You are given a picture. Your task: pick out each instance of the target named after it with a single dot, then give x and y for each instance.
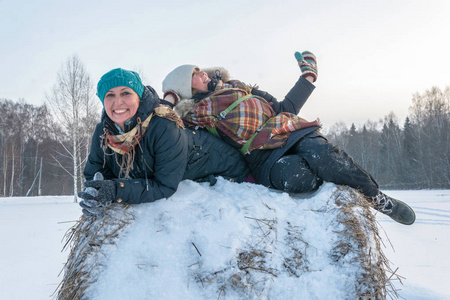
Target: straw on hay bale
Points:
(272, 250)
(87, 237)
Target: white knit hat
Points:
(180, 81)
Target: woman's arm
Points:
(301, 91)
(165, 154)
(294, 100)
(168, 147)
(214, 157)
(95, 162)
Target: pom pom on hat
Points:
(180, 81)
(119, 77)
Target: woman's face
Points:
(121, 103)
(200, 80)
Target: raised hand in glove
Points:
(97, 195)
(308, 64)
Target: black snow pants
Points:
(313, 160)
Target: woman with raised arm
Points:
(284, 151)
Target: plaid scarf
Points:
(250, 116)
(124, 144)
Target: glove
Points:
(97, 195)
(308, 64)
(175, 96)
(268, 97)
(92, 208)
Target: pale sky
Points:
(372, 55)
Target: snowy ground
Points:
(32, 231)
(421, 252)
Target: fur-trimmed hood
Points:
(223, 73)
(186, 105)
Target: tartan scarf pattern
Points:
(251, 115)
(125, 144)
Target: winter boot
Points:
(396, 209)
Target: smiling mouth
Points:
(120, 111)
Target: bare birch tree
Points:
(71, 103)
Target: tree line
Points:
(57, 133)
(414, 155)
(43, 149)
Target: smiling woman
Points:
(200, 81)
(283, 150)
(140, 150)
(121, 103)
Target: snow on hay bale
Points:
(230, 241)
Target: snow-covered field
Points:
(32, 236)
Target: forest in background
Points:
(43, 149)
(411, 155)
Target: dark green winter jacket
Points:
(170, 154)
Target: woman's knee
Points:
(292, 174)
(313, 145)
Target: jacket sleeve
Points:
(167, 145)
(293, 101)
(213, 157)
(95, 162)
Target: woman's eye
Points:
(125, 93)
(109, 95)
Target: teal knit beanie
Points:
(119, 77)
